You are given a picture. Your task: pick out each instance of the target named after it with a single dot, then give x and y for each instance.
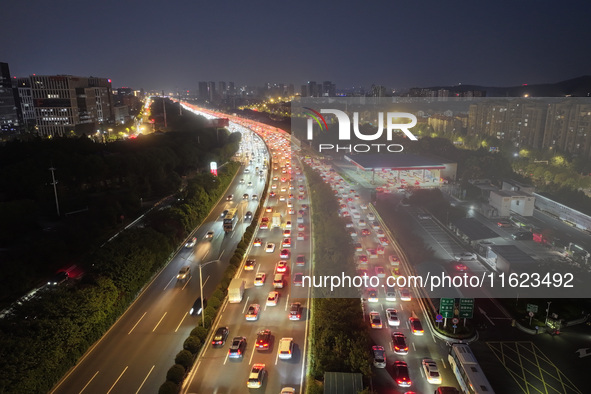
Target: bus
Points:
(469, 374)
(230, 220)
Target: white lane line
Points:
(224, 308)
(251, 355)
(181, 322)
(186, 283)
(277, 357)
(246, 303)
(401, 307)
(146, 378)
(198, 364)
(138, 322)
(117, 379)
(443, 362)
(414, 347)
(226, 359)
(221, 254)
(168, 283)
(93, 376)
(159, 321)
(206, 279)
(433, 337)
(264, 309)
(287, 301)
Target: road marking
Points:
(146, 378)
(414, 347)
(221, 254)
(197, 367)
(137, 323)
(93, 376)
(265, 307)
(251, 355)
(159, 321)
(186, 282)
(224, 308)
(287, 301)
(206, 279)
(117, 379)
(168, 283)
(226, 359)
(277, 357)
(245, 303)
(443, 362)
(181, 322)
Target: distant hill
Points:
(576, 87)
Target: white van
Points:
(285, 348)
(278, 281)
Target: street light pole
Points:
(548, 311)
(201, 289)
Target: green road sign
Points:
(532, 308)
(446, 307)
(467, 308)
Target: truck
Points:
(236, 290)
(276, 220)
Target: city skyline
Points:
(174, 48)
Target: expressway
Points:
(135, 354)
(373, 251)
(214, 371)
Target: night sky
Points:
(172, 45)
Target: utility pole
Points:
(57, 204)
(164, 108)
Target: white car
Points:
(466, 256)
(431, 371)
(371, 216)
(363, 206)
(270, 248)
(288, 224)
(392, 317)
(273, 298)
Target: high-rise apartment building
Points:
(9, 111)
(67, 104)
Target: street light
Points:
(201, 265)
(548, 311)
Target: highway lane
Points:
(420, 346)
(213, 371)
(135, 354)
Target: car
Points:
(383, 241)
(405, 294)
(375, 226)
(58, 278)
(291, 211)
(301, 227)
(256, 377)
(259, 279)
(224, 213)
(270, 248)
(461, 267)
(269, 209)
(466, 256)
(289, 204)
(285, 348)
(523, 236)
(274, 186)
(257, 242)
(363, 206)
(237, 347)
(304, 207)
(390, 293)
(245, 196)
(298, 279)
(288, 224)
(380, 233)
(372, 253)
(241, 181)
(363, 259)
(394, 260)
(395, 272)
(375, 319)
(401, 373)
(230, 197)
(284, 254)
(209, 234)
(392, 317)
(358, 247)
(281, 266)
(301, 237)
(282, 197)
(504, 223)
(287, 233)
(349, 224)
(380, 272)
(249, 265)
(399, 345)
(301, 260)
(286, 243)
(252, 312)
(273, 298)
(416, 326)
(345, 214)
(184, 273)
(275, 178)
(372, 295)
(379, 356)
(272, 194)
(249, 184)
(381, 250)
(254, 197)
(220, 336)
(295, 311)
(197, 307)
(248, 215)
(263, 342)
(431, 371)
(362, 223)
(191, 242)
(371, 216)
(423, 216)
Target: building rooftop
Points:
(512, 254)
(474, 230)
